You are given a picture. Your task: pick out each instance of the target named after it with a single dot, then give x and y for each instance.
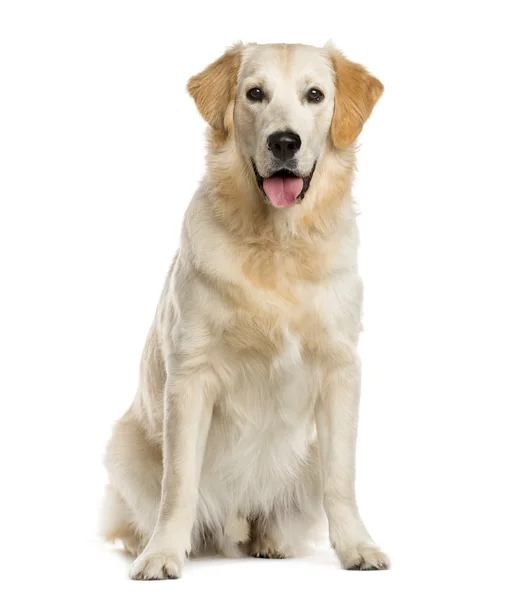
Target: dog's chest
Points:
(264, 420)
(272, 358)
(270, 378)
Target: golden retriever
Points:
(242, 434)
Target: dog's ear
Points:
(213, 91)
(356, 93)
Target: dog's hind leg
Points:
(131, 503)
(235, 536)
(282, 536)
(295, 521)
(117, 522)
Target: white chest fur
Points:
(262, 426)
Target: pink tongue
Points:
(283, 191)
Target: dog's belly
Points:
(261, 436)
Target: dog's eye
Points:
(314, 95)
(255, 94)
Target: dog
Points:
(241, 437)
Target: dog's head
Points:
(283, 106)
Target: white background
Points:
(100, 152)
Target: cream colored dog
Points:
(243, 429)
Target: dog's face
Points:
(284, 106)
(282, 116)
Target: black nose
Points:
(284, 144)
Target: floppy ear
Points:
(356, 94)
(213, 91)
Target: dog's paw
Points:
(265, 549)
(364, 557)
(150, 566)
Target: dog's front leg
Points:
(188, 409)
(336, 416)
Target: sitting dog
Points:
(242, 433)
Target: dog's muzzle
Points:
(283, 188)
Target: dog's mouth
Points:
(283, 188)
